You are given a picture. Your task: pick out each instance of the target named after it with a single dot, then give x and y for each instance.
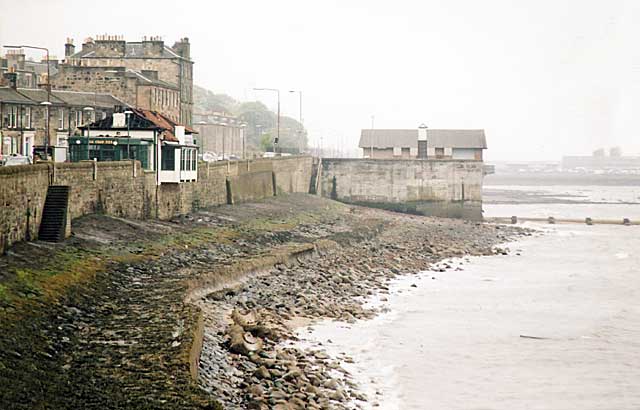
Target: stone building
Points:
(147, 74)
(30, 74)
(220, 134)
(23, 119)
(440, 143)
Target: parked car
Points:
(268, 155)
(12, 160)
(210, 156)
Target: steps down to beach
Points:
(54, 215)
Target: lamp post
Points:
(47, 131)
(300, 117)
(278, 118)
(47, 119)
(88, 110)
(244, 142)
(201, 145)
(128, 113)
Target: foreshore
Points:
(196, 312)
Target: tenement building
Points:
(147, 74)
(33, 121)
(220, 134)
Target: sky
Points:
(543, 78)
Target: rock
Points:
(256, 390)
(262, 373)
(242, 342)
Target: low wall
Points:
(22, 188)
(123, 189)
(446, 188)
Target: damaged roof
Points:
(144, 120)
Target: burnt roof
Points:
(142, 120)
(136, 122)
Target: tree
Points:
(260, 120)
(266, 142)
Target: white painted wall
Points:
(463, 153)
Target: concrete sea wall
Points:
(123, 189)
(446, 188)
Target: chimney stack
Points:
(11, 78)
(422, 141)
(69, 48)
(183, 48)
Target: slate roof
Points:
(439, 138)
(132, 50)
(38, 95)
(144, 79)
(59, 97)
(81, 98)
(9, 95)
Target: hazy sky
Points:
(542, 77)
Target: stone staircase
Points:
(54, 216)
(316, 171)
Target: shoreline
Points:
(126, 306)
(444, 333)
(375, 383)
(329, 285)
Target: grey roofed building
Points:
(440, 138)
(10, 95)
(72, 98)
(132, 49)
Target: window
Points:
(27, 117)
(183, 159)
(13, 117)
(78, 118)
(60, 119)
(194, 160)
(168, 162)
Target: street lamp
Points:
(88, 110)
(244, 142)
(46, 140)
(128, 113)
(278, 118)
(47, 118)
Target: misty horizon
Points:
(545, 79)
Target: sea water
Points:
(553, 325)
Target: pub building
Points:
(143, 135)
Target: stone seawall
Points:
(446, 188)
(21, 188)
(123, 189)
